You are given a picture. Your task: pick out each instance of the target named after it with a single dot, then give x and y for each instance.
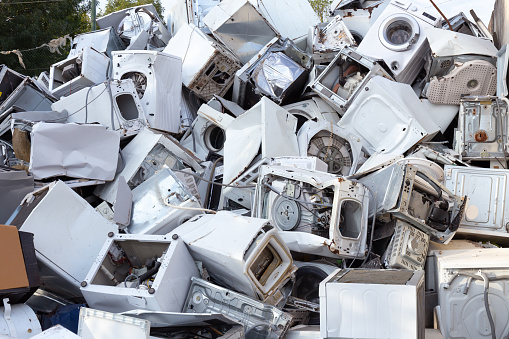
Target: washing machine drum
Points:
(399, 32)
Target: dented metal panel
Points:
(77, 151)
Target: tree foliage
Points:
(116, 5)
(321, 8)
(28, 25)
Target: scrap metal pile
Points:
(254, 173)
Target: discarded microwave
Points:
(84, 151)
(87, 68)
(460, 64)
(390, 301)
(140, 272)
(147, 153)
(156, 77)
(279, 71)
(488, 207)
(482, 128)
(397, 37)
(318, 213)
(133, 22)
(161, 203)
(389, 117)
(240, 27)
(408, 193)
(325, 40)
(468, 280)
(114, 104)
(208, 68)
(336, 146)
(102, 40)
(258, 319)
(408, 247)
(257, 264)
(67, 243)
(346, 76)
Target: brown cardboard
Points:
(14, 273)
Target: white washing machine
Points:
(398, 37)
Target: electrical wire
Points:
(486, 304)
(189, 208)
(212, 182)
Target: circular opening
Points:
(214, 138)
(399, 32)
(472, 84)
(140, 82)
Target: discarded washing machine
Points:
(67, 243)
(146, 154)
(18, 321)
(140, 272)
(161, 203)
(486, 215)
(114, 104)
(411, 194)
(259, 319)
(99, 324)
(459, 65)
(207, 134)
(208, 68)
(314, 108)
(102, 40)
(266, 127)
(279, 71)
(87, 68)
(257, 264)
(318, 213)
(228, 22)
(135, 23)
(9, 81)
(325, 40)
(388, 117)
(28, 96)
(408, 247)
(390, 301)
(398, 38)
(482, 128)
(156, 77)
(468, 281)
(345, 77)
(338, 148)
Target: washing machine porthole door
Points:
(399, 32)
